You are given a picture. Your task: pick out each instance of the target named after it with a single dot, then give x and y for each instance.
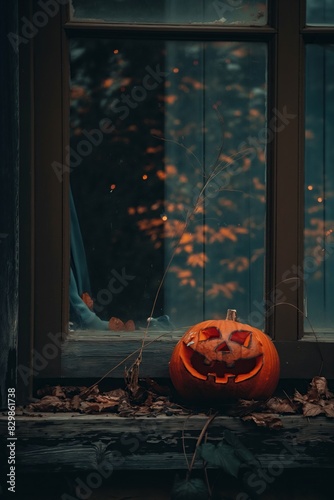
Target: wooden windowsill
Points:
(94, 353)
(53, 442)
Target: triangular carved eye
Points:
(241, 337)
(209, 333)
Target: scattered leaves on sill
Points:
(145, 402)
(318, 399)
(151, 399)
(51, 404)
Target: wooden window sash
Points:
(285, 36)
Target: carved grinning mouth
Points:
(221, 371)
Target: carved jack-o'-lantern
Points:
(221, 359)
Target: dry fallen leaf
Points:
(52, 391)
(279, 405)
(329, 409)
(318, 399)
(311, 410)
(75, 402)
(89, 407)
(58, 391)
(270, 420)
(319, 388)
(116, 393)
(107, 403)
(50, 404)
(300, 398)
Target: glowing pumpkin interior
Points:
(240, 356)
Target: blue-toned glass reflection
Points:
(168, 171)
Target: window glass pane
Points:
(319, 187)
(168, 167)
(250, 12)
(320, 12)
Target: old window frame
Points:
(44, 214)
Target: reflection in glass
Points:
(319, 187)
(320, 12)
(250, 12)
(168, 171)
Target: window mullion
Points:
(284, 299)
(48, 196)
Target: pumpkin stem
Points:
(231, 314)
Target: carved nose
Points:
(223, 347)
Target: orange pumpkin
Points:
(220, 359)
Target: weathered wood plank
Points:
(86, 353)
(53, 443)
(97, 352)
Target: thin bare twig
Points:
(133, 372)
(89, 389)
(183, 442)
(135, 366)
(181, 146)
(206, 471)
(199, 440)
(309, 322)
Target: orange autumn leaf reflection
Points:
(107, 83)
(238, 264)
(185, 276)
(164, 152)
(227, 233)
(186, 238)
(154, 149)
(171, 170)
(197, 259)
(226, 289)
(77, 92)
(196, 84)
